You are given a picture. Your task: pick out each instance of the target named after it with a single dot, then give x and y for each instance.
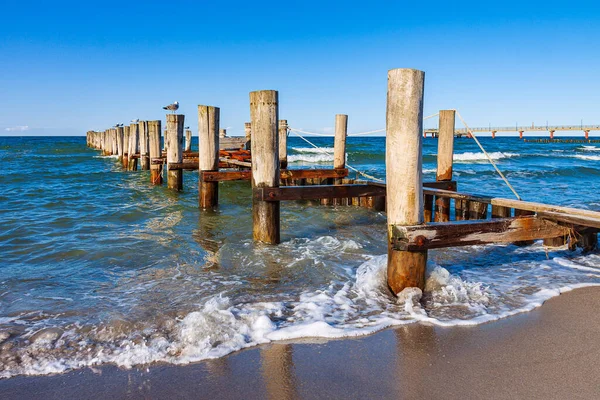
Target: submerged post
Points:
(134, 137)
(208, 154)
(154, 152)
(175, 150)
(444, 161)
(264, 114)
(188, 140)
(403, 164)
(283, 128)
(144, 146)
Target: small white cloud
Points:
(18, 128)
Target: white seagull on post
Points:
(173, 107)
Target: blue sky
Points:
(69, 67)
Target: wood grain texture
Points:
(467, 233)
(445, 145)
(208, 154)
(134, 140)
(188, 140)
(264, 116)
(174, 140)
(282, 129)
(403, 162)
(144, 146)
(154, 151)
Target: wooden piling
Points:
(154, 151)
(403, 160)
(113, 137)
(144, 146)
(120, 144)
(208, 154)
(283, 131)
(188, 140)
(339, 148)
(125, 160)
(175, 149)
(134, 137)
(264, 114)
(445, 161)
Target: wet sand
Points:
(552, 352)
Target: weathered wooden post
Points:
(248, 130)
(134, 137)
(120, 144)
(175, 150)
(283, 128)
(444, 161)
(113, 136)
(264, 114)
(520, 134)
(403, 164)
(188, 140)
(222, 133)
(144, 146)
(339, 149)
(125, 161)
(208, 154)
(154, 130)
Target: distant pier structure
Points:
(586, 129)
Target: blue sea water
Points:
(98, 266)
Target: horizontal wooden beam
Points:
(235, 162)
(517, 204)
(468, 233)
(317, 192)
(575, 220)
(218, 176)
(445, 185)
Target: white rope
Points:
(352, 134)
(488, 156)
(347, 165)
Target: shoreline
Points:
(549, 352)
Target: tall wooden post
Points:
(134, 138)
(339, 149)
(154, 151)
(120, 143)
(113, 137)
(208, 154)
(144, 146)
(264, 114)
(175, 150)
(283, 128)
(125, 160)
(403, 164)
(444, 161)
(188, 140)
(248, 130)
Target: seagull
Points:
(118, 125)
(173, 107)
(135, 120)
(187, 127)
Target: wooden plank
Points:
(510, 203)
(570, 219)
(235, 162)
(316, 192)
(468, 233)
(218, 176)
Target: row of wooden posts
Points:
(418, 213)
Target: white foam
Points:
(310, 158)
(590, 148)
(320, 150)
(471, 157)
(583, 157)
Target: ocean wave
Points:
(320, 150)
(359, 306)
(590, 158)
(474, 157)
(590, 148)
(310, 158)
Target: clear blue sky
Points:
(66, 68)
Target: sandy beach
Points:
(549, 353)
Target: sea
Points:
(99, 267)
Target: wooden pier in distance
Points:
(420, 215)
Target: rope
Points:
(488, 156)
(351, 134)
(347, 165)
